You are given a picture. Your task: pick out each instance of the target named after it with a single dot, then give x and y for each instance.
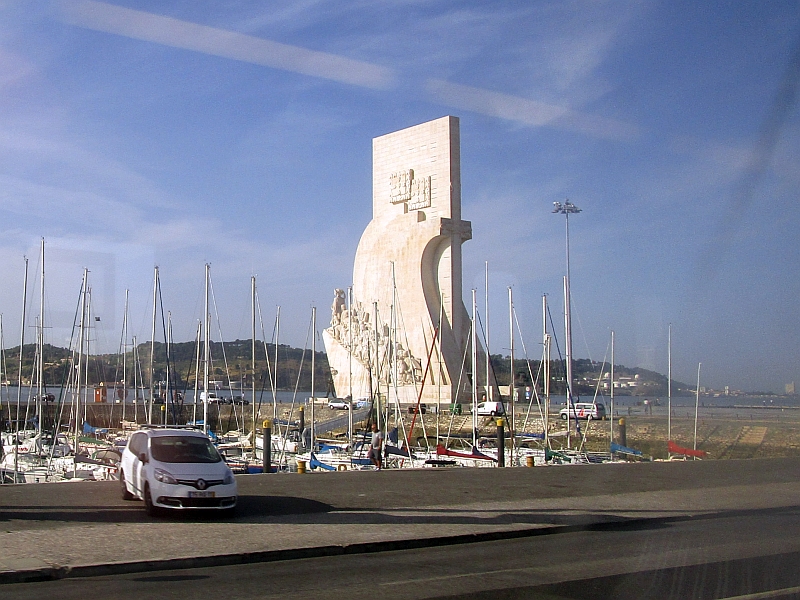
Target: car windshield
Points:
(184, 449)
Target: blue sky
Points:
(239, 134)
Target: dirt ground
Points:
(724, 433)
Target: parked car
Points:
(413, 409)
(338, 404)
(241, 401)
(178, 469)
(585, 410)
(490, 409)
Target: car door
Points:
(137, 446)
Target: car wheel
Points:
(493, 413)
(151, 508)
(126, 495)
(563, 417)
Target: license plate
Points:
(201, 494)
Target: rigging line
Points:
(294, 397)
(266, 355)
(561, 357)
(422, 387)
(534, 381)
(458, 389)
(567, 386)
(583, 333)
(119, 352)
(224, 354)
(594, 399)
(489, 358)
(272, 383)
(399, 317)
(189, 368)
(169, 365)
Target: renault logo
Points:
(201, 484)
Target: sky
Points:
(136, 134)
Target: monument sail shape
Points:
(407, 274)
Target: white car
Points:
(176, 468)
(337, 404)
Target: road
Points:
(748, 555)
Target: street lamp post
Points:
(566, 209)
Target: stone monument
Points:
(404, 330)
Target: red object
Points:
(442, 451)
(673, 448)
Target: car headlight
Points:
(164, 476)
(228, 478)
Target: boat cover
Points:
(673, 448)
(624, 449)
(442, 451)
(316, 463)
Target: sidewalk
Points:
(81, 529)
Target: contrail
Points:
(149, 27)
(139, 25)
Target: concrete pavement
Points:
(82, 529)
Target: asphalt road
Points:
(702, 529)
(746, 555)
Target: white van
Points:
(490, 409)
(585, 410)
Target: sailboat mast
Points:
(136, 367)
(152, 348)
(379, 411)
(40, 373)
(206, 352)
(350, 365)
(313, 368)
(168, 392)
(275, 375)
(87, 353)
(21, 349)
(568, 353)
(195, 397)
(669, 382)
(489, 394)
(84, 291)
(511, 389)
(253, 355)
(125, 356)
(611, 434)
(696, 405)
(474, 371)
(546, 340)
(393, 349)
(441, 370)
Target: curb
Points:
(221, 560)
